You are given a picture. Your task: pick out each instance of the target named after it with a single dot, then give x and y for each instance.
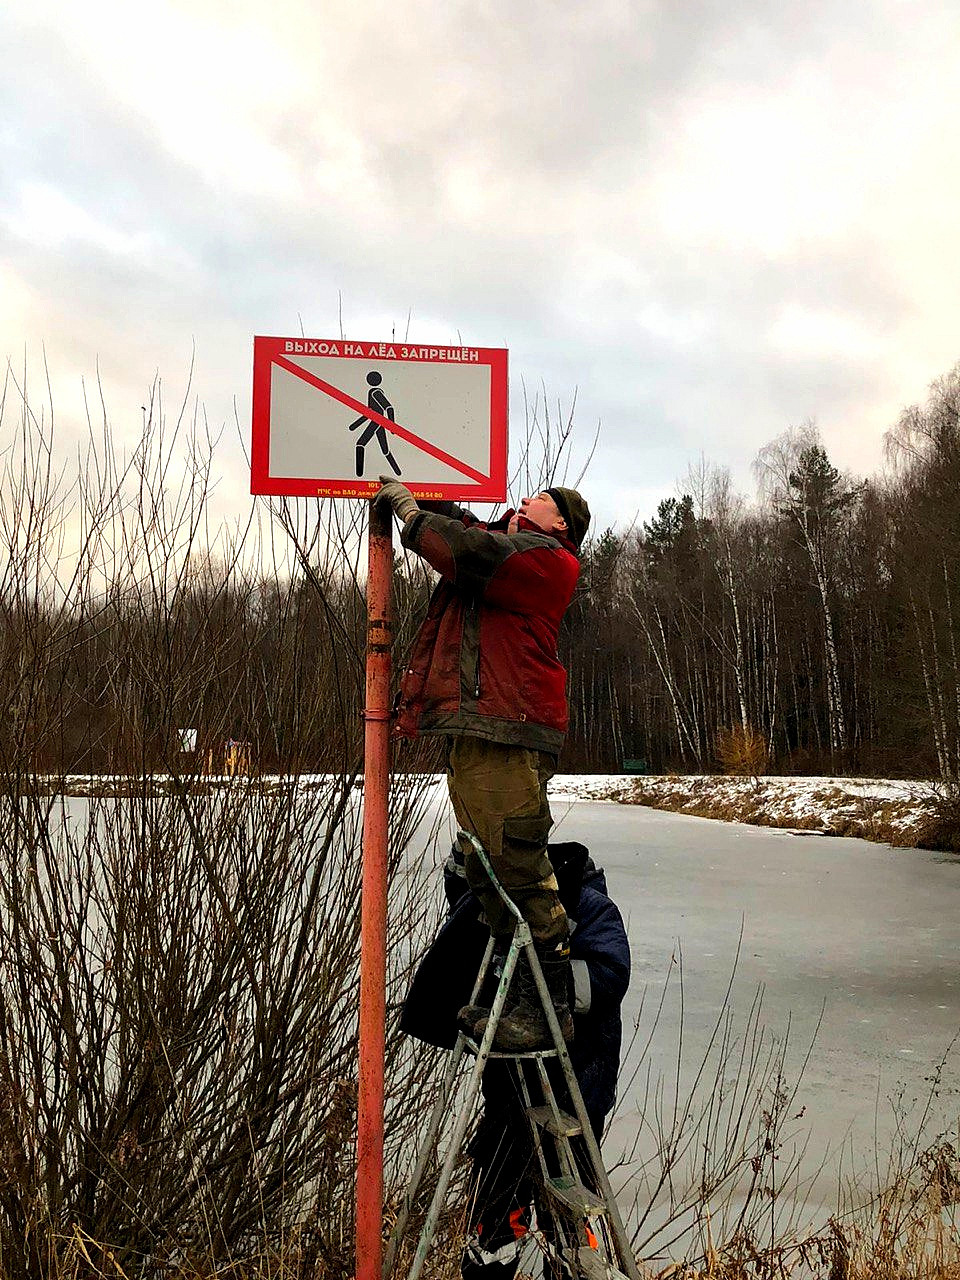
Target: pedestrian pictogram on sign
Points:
(375, 400)
(331, 416)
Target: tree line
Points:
(811, 629)
(128, 615)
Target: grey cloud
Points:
(564, 93)
(560, 111)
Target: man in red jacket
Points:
(484, 672)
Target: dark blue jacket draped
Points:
(445, 976)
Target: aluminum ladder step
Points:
(473, 1047)
(556, 1122)
(574, 1195)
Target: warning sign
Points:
(330, 417)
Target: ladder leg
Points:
(558, 1233)
(562, 1145)
(464, 1116)
(440, 1110)
(625, 1253)
(627, 1260)
(528, 1103)
(446, 1172)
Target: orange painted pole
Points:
(373, 906)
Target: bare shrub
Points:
(719, 1143)
(720, 1167)
(179, 950)
(908, 1224)
(940, 827)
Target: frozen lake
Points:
(855, 947)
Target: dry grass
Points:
(941, 826)
(909, 1231)
(927, 821)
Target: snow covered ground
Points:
(894, 812)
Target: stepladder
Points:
(580, 1232)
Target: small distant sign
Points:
(330, 417)
(188, 739)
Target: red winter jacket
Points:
(484, 662)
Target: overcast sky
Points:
(711, 220)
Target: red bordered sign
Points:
(331, 416)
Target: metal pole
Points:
(373, 907)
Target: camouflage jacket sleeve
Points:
(507, 570)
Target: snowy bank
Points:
(909, 814)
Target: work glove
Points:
(399, 497)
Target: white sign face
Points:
(330, 417)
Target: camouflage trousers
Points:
(499, 794)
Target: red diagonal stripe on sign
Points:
(359, 407)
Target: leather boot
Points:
(523, 1027)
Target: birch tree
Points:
(811, 494)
